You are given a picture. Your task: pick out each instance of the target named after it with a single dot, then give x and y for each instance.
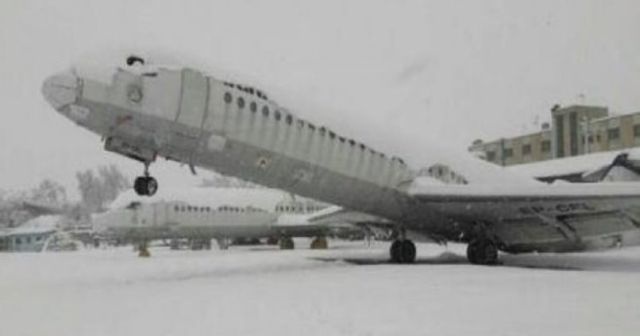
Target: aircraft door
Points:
(193, 100)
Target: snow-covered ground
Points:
(348, 290)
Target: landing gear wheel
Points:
(482, 252)
(145, 186)
(286, 243)
(402, 251)
(319, 243)
(143, 250)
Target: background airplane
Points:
(145, 111)
(224, 214)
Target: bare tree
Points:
(98, 190)
(49, 192)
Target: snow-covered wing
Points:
(323, 221)
(543, 217)
(336, 214)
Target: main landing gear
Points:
(145, 185)
(402, 251)
(482, 252)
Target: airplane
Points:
(144, 111)
(203, 214)
(610, 166)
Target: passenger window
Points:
(265, 111)
(227, 98)
(312, 127)
(289, 119)
(352, 142)
(253, 106)
(323, 131)
(300, 123)
(278, 115)
(240, 102)
(332, 135)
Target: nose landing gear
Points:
(145, 185)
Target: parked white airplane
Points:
(203, 214)
(182, 114)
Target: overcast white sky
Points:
(438, 71)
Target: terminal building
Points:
(574, 130)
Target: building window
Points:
(507, 153)
(526, 149)
(613, 134)
(636, 131)
(546, 146)
(227, 98)
(491, 156)
(253, 106)
(240, 102)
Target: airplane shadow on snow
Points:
(556, 262)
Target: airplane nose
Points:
(60, 89)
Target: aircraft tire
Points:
(151, 186)
(286, 243)
(319, 243)
(482, 252)
(402, 251)
(145, 186)
(139, 185)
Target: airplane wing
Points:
(537, 218)
(333, 218)
(593, 167)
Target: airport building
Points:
(574, 130)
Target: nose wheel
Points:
(145, 185)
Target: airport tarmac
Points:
(348, 290)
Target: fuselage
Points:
(184, 115)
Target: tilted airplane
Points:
(182, 114)
(203, 214)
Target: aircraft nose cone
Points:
(60, 89)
